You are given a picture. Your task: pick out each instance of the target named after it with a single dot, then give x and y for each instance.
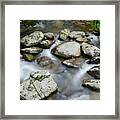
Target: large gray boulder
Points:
(67, 50)
(39, 85)
(32, 39)
(93, 84)
(90, 50)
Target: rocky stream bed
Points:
(60, 66)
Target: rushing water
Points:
(68, 79)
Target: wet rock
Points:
(54, 66)
(32, 50)
(48, 40)
(29, 57)
(95, 60)
(93, 84)
(44, 61)
(96, 33)
(95, 72)
(84, 39)
(81, 39)
(67, 50)
(38, 86)
(46, 43)
(74, 62)
(32, 39)
(87, 34)
(90, 50)
(64, 34)
(76, 34)
(49, 35)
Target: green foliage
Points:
(95, 24)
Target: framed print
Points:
(60, 59)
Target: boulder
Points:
(95, 72)
(74, 62)
(64, 34)
(29, 57)
(32, 50)
(49, 35)
(44, 61)
(93, 84)
(95, 60)
(38, 86)
(32, 39)
(90, 50)
(76, 34)
(67, 50)
(81, 39)
(52, 65)
(46, 43)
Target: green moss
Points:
(29, 57)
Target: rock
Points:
(87, 34)
(49, 35)
(38, 86)
(74, 62)
(29, 57)
(64, 34)
(81, 39)
(67, 50)
(76, 34)
(48, 40)
(96, 33)
(95, 60)
(90, 50)
(44, 61)
(95, 72)
(93, 84)
(84, 39)
(32, 39)
(46, 43)
(53, 65)
(32, 50)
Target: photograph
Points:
(59, 59)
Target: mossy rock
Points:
(29, 57)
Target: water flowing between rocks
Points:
(67, 79)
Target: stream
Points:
(68, 79)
